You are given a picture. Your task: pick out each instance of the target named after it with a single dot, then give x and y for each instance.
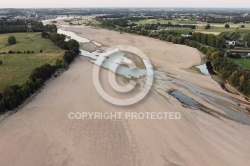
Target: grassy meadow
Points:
(16, 68)
(245, 63)
(215, 29)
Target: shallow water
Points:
(203, 69)
(111, 60)
(73, 36)
(214, 99)
(184, 99)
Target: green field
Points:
(145, 21)
(186, 22)
(220, 29)
(16, 68)
(216, 28)
(178, 30)
(245, 63)
(155, 21)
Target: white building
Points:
(228, 42)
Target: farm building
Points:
(228, 42)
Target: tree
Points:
(247, 39)
(51, 28)
(45, 34)
(207, 26)
(227, 26)
(73, 44)
(68, 57)
(242, 79)
(2, 107)
(12, 40)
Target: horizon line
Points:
(123, 7)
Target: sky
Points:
(124, 3)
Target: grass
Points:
(87, 22)
(245, 63)
(194, 69)
(178, 30)
(155, 21)
(16, 68)
(186, 22)
(216, 28)
(220, 29)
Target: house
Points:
(186, 35)
(228, 42)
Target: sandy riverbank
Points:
(42, 134)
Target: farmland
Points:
(16, 68)
(245, 63)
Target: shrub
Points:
(73, 44)
(1, 62)
(11, 52)
(12, 40)
(208, 26)
(227, 26)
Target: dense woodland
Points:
(11, 97)
(19, 26)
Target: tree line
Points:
(19, 26)
(209, 39)
(12, 96)
(18, 52)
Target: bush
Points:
(11, 52)
(227, 26)
(1, 62)
(73, 44)
(44, 72)
(2, 107)
(242, 26)
(208, 26)
(12, 40)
